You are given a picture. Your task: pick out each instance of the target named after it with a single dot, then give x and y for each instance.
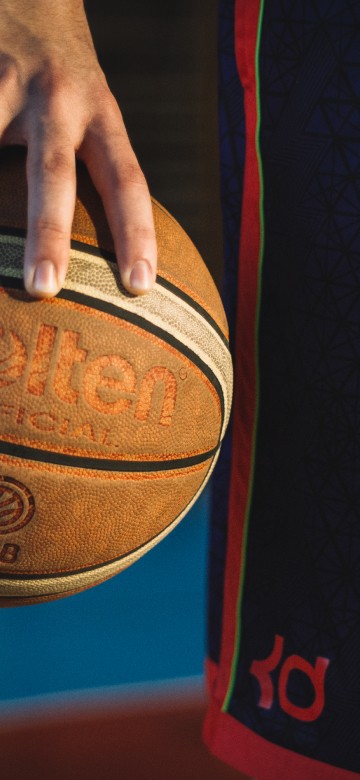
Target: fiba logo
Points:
(17, 505)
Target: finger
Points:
(11, 94)
(121, 184)
(51, 202)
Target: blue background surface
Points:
(148, 623)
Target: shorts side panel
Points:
(289, 674)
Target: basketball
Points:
(112, 407)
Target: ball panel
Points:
(104, 388)
(39, 590)
(83, 520)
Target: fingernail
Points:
(45, 280)
(141, 276)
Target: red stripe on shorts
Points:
(244, 422)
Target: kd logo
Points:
(315, 674)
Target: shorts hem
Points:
(250, 753)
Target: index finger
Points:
(121, 184)
(51, 201)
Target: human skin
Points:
(54, 99)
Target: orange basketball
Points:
(112, 407)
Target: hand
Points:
(55, 100)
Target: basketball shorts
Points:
(284, 603)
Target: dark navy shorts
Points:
(284, 600)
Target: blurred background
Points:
(160, 59)
(110, 682)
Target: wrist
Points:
(41, 18)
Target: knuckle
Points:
(42, 226)
(129, 174)
(108, 113)
(141, 232)
(56, 165)
(58, 162)
(9, 72)
(106, 122)
(11, 91)
(118, 179)
(49, 81)
(54, 96)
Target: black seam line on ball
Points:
(97, 252)
(11, 282)
(135, 319)
(193, 305)
(12, 231)
(102, 464)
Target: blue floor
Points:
(148, 623)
